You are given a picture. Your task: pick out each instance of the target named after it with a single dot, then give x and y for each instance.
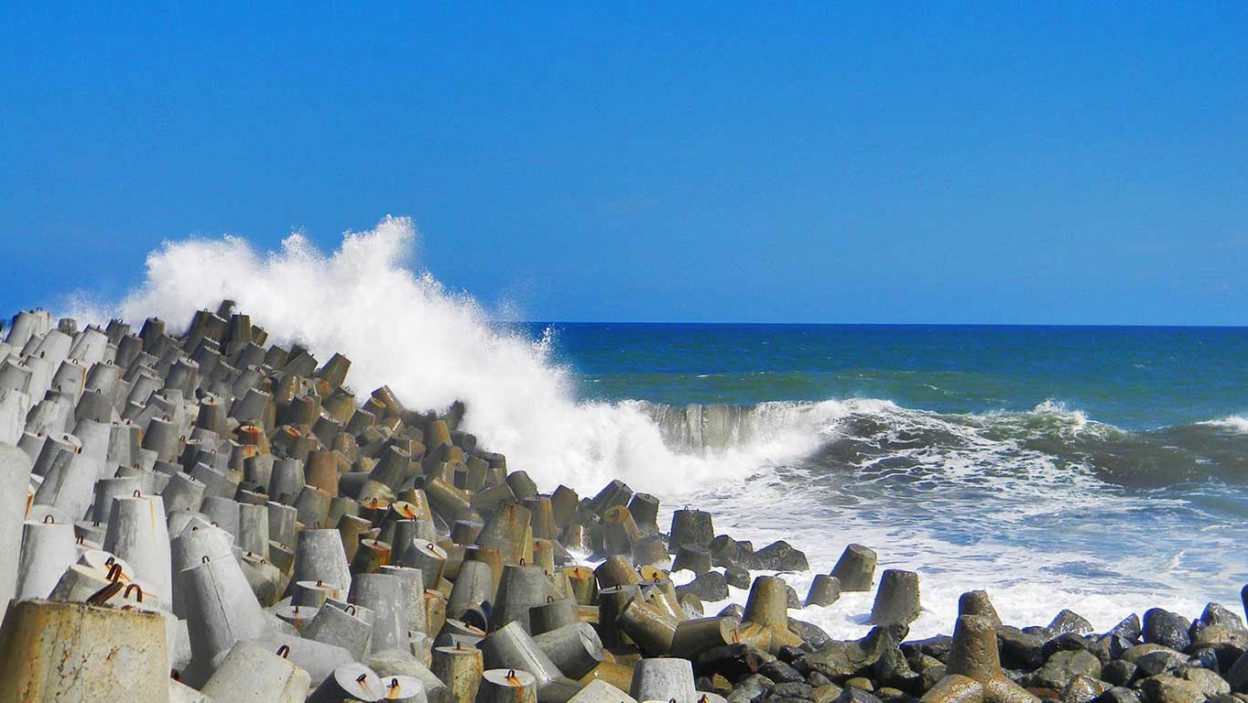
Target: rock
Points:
(1066, 641)
(1020, 650)
(857, 695)
(1168, 689)
(1119, 694)
(1210, 683)
(930, 671)
(1221, 616)
(780, 672)
(1064, 666)
(791, 599)
(732, 610)
(826, 693)
(841, 660)
(1133, 655)
(861, 682)
(809, 632)
(1166, 628)
(781, 556)
(1204, 659)
(1129, 628)
(1083, 689)
(737, 577)
(1219, 635)
(732, 661)
(1119, 672)
(792, 689)
(749, 689)
(1160, 661)
(1070, 621)
(709, 587)
(936, 647)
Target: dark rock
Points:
(1218, 636)
(710, 587)
(1166, 628)
(1043, 633)
(1205, 659)
(794, 689)
(929, 669)
(893, 671)
(1210, 683)
(1223, 699)
(1160, 661)
(732, 610)
(826, 693)
(780, 672)
(1129, 629)
(809, 632)
(1064, 666)
(1070, 621)
(1083, 689)
(781, 556)
(857, 695)
(791, 598)
(732, 661)
(1217, 614)
(1118, 694)
(936, 647)
(1237, 674)
(726, 551)
(1133, 655)
(737, 576)
(749, 689)
(1168, 689)
(1065, 642)
(786, 699)
(1019, 650)
(842, 660)
(1119, 672)
(817, 679)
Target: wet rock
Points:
(1166, 628)
(1168, 689)
(1133, 655)
(1119, 672)
(732, 661)
(930, 671)
(791, 599)
(749, 689)
(1218, 636)
(737, 576)
(809, 632)
(1083, 689)
(780, 672)
(1119, 694)
(1216, 614)
(936, 647)
(1160, 661)
(841, 660)
(1210, 683)
(1020, 650)
(861, 682)
(709, 587)
(1205, 659)
(1066, 642)
(826, 693)
(732, 610)
(781, 556)
(856, 695)
(1129, 628)
(1064, 666)
(792, 689)
(1070, 621)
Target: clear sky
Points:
(992, 162)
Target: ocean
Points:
(1103, 470)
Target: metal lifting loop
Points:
(283, 651)
(49, 520)
(135, 587)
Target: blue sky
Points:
(912, 162)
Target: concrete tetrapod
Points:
(897, 600)
(575, 649)
(47, 550)
(599, 691)
(15, 468)
(319, 556)
(74, 652)
(220, 610)
(664, 679)
(460, 668)
(138, 533)
(856, 568)
(974, 669)
(252, 674)
(340, 627)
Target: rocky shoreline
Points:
(210, 517)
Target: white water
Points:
(402, 328)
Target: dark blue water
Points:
(1132, 377)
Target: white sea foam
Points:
(432, 346)
(1234, 423)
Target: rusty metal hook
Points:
(49, 520)
(283, 651)
(135, 587)
(114, 572)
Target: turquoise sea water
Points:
(1108, 465)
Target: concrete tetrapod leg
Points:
(460, 668)
(353, 681)
(897, 600)
(512, 648)
(974, 668)
(412, 580)
(473, 586)
(73, 652)
(252, 674)
(652, 629)
(552, 615)
(522, 588)
(426, 556)
(47, 550)
(507, 686)
(319, 556)
(856, 568)
(575, 649)
(824, 590)
(383, 594)
(977, 603)
(664, 679)
(599, 691)
(692, 637)
(690, 527)
(220, 610)
(138, 533)
(768, 606)
(342, 628)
